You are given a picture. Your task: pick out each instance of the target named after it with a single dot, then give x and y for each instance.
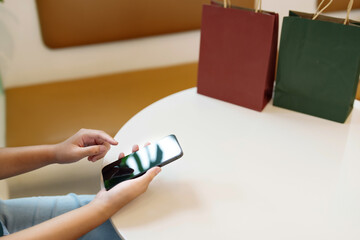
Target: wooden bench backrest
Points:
(66, 23)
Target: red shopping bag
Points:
(238, 51)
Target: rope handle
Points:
(258, 6)
(350, 5)
(318, 11)
(227, 3)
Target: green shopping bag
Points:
(318, 65)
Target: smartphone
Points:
(136, 164)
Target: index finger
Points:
(100, 136)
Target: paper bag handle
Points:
(351, 2)
(346, 21)
(258, 6)
(318, 11)
(227, 3)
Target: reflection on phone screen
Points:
(136, 164)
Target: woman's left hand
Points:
(113, 200)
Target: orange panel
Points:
(49, 113)
(67, 23)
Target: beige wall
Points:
(24, 60)
(27, 61)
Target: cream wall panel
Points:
(30, 62)
(24, 59)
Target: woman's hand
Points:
(113, 200)
(93, 144)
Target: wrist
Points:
(55, 153)
(46, 153)
(109, 203)
(104, 208)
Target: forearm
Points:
(18, 160)
(77, 223)
(85, 143)
(71, 225)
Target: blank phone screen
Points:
(136, 164)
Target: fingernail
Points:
(158, 169)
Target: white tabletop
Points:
(277, 174)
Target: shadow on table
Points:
(162, 200)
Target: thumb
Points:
(150, 174)
(92, 150)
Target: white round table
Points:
(276, 175)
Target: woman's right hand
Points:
(113, 200)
